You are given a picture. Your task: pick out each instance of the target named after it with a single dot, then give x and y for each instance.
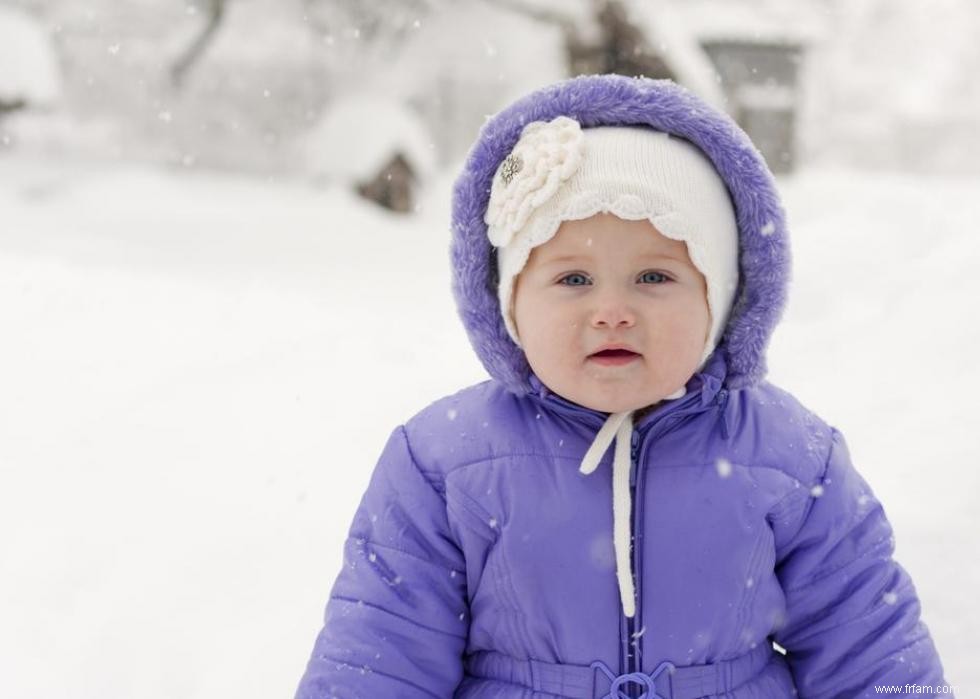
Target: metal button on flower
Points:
(510, 167)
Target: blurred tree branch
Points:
(183, 64)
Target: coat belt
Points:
(596, 682)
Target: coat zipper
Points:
(633, 662)
(633, 655)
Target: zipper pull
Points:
(723, 402)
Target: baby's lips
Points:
(614, 347)
(614, 353)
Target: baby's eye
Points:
(576, 276)
(662, 277)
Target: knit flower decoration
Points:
(546, 154)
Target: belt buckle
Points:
(636, 677)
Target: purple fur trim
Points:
(595, 100)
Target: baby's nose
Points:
(613, 312)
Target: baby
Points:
(627, 508)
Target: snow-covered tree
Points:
(29, 75)
(387, 161)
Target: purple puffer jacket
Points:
(481, 564)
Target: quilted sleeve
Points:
(852, 615)
(396, 621)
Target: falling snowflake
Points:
(724, 467)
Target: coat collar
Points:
(702, 389)
(618, 429)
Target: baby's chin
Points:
(631, 393)
(612, 403)
(608, 390)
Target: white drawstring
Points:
(620, 426)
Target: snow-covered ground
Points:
(198, 373)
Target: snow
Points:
(723, 467)
(56, 132)
(768, 21)
(671, 33)
(386, 127)
(30, 68)
(200, 371)
(273, 30)
(892, 85)
(466, 62)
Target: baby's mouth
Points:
(614, 357)
(614, 353)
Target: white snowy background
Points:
(203, 351)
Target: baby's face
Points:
(602, 281)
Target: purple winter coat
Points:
(480, 563)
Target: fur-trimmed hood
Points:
(601, 100)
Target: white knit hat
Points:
(558, 172)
